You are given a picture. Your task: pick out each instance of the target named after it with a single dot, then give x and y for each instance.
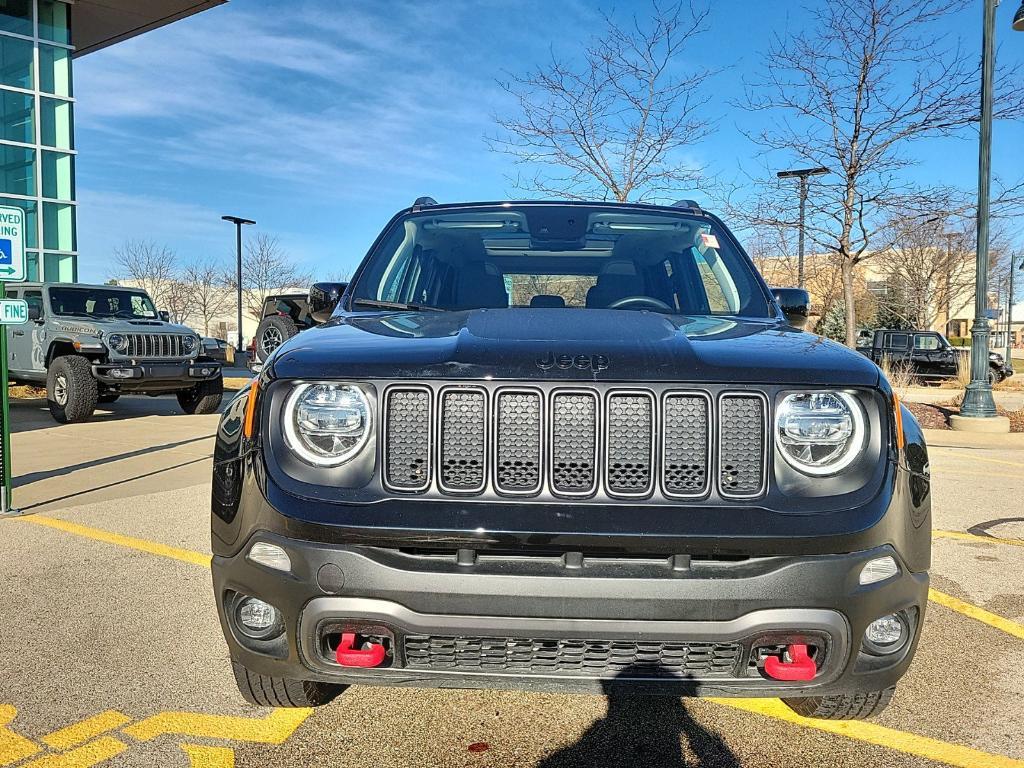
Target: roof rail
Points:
(687, 204)
(423, 202)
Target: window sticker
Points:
(708, 240)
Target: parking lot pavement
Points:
(112, 654)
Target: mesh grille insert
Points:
(463, 423)
(573, 442)
(685, 445)
(629, 432)
(741, 445)
(408, 439)
(518, 441)
(572, 657)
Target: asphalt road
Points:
(111, 654)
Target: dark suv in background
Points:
(574, 447)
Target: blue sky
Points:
(319, 119)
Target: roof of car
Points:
(74, 285)
(681, 205)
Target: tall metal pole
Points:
(803, 174)
(238, 222)
(1009, 316)
(978, 401)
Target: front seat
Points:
(617, 280)
(478, 285)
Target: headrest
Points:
(547, 301)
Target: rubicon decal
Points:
(567, 362)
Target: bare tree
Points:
(618, 125)
(148, 266)
(211, 298)
(179, 301)
(851, 93)
(266, 269)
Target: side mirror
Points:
(35, 313)
(795, 304)
(323, 298)
(164, 315)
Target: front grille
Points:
(577, 658)
(578, 442)
(145, 345)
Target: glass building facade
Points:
(37, 147)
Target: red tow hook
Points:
(800, 667)
(350, 657)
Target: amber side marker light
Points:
(250, 410)
(900, 440)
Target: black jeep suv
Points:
(569, 446)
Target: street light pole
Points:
(803, 174)
(978, 402)
(238, 222)
(1009, 307)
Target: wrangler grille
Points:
(156, 345)
(577, 442)
(579, 658)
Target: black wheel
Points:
(265, 691)
(993, 376)
(109, 397)
(204, 397)
(271, 334)
(71, 391)
(843, 706)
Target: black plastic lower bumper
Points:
(547, 605)
(156, 376)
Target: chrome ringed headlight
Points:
(820, 433)
(326, 423)
(117, 342)
(190, 343)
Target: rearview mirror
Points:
(34, 313)
(323, 298)
(164, 315)
(795, 304)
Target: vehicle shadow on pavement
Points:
(31, 414)
(644, 731)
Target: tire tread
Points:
(267, 691)
(858, 705)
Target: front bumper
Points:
(511, 621)
(144, 376)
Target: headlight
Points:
(326, 424)
(190, 343)
(117, 342)
(819, 433)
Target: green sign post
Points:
(12, 312)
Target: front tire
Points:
(203, 398)
(266, 691)
(71, 391)
(859, 705)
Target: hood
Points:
(570, 345)
(119, 325)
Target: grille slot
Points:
(407, 437)
(571, 657)
(463, 440)
(518, 442)
(686, 443)
(574, 442)
(630, 443)
(741, 445)
(145, 345)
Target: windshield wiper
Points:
(395, 305)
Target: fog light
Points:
(121, 373)
(887, 634)
(257, 619)
(879, 569)
(270, 555)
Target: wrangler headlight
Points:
(117, 342)
(819, 433)
(190, 343)
(326, 424)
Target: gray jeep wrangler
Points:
(93, 343)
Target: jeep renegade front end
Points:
(569, 446)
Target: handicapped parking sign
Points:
(12, 243)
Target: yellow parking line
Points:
(976, 613)
(13, 746)
(909, 743)
(272, 729)
(92, 753)
(209, 757)
(975, 537)
(143, 545)
(85, 730)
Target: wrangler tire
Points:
(71, 390)
(859, 705)
(204, 397)
(266, 691)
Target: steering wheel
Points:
(649, 301)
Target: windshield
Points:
(102, 302)
(552, 256)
